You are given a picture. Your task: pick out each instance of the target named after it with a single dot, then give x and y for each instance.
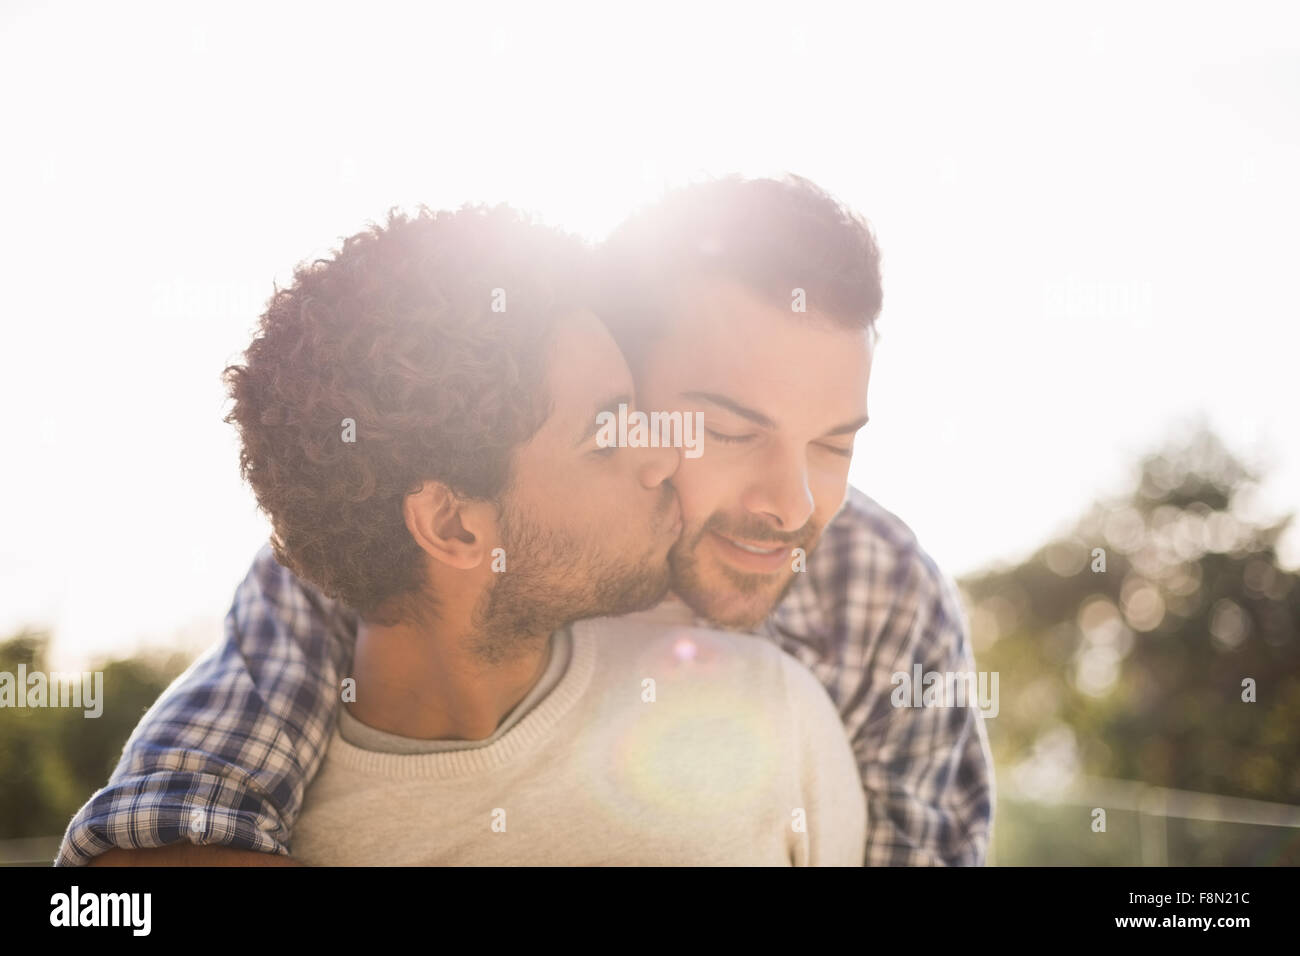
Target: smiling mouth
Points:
(749, 557)
(751, 548)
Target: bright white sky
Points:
(1088, 216)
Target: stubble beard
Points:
(714, 603)
(536, 596)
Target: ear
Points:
(449, 529)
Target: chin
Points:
(643, 590)
(729, 605)
(727, 597)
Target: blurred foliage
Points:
(1136, 671)
(53, 758)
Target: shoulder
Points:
(683, 655)
(277, 617)
(869, 574)
(866, 534)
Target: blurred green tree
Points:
(1122, 646)
(53, 758)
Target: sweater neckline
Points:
(518, 740)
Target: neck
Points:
(434, 681)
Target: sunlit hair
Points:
(770, 235)
(432, 334)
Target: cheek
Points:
(828, 494)
(601, 506)
(591, 501)
(559, 498)
(704, 488)
(544, 492)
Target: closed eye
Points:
(727, 439)
(842, 452)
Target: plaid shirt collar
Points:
(799, 616)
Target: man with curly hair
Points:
(391, 406)
(754, 302)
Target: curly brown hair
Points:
(431, 334)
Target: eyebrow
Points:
(758, 418)
(609, 405)
(848, 428)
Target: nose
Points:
(656, 465)
(780, 491)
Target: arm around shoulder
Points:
(183, 854)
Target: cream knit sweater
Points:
(661, 745)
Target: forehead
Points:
(586, 369)
(722, 337)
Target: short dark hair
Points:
(770, 235)
(402, 331)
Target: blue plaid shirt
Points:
(225, 755)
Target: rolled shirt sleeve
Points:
(225, 754)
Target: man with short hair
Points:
(753, 302)
(417, 419)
